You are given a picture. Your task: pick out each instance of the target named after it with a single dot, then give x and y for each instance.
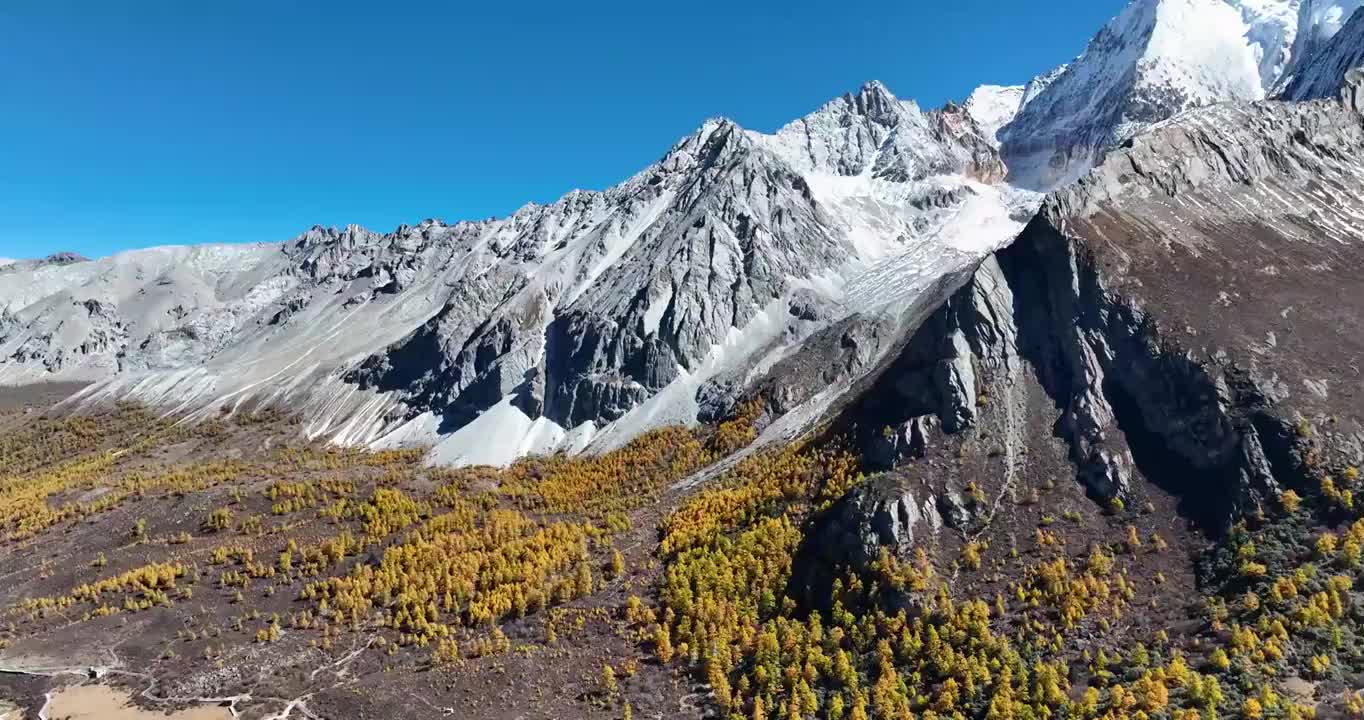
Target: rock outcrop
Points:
(1352, 90)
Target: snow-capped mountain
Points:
(543, 328)
(1157, 58)
(1322, 76)
(872, 134)
(796, 261)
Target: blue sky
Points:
(147, 122)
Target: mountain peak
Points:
(875, 88)
(717, 123)
(1155, 59)
(875, 101)
(65, 257)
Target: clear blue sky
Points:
(143, 122)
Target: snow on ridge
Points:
(1155, 59)
(1271, 33)
(1039, 85)
(1319, 21)
(1322, 75)
(192, 329)
(899, 279)
(993, 107)
(1203, 48)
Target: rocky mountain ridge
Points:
(795, 265)
(1156, 59)
(548, 325)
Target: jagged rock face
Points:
(697, 246)
(1224, 238)
(1331, 61)
(72, 319)
(1157, 58)
(892, 139)
(84, 337)
(841, 361)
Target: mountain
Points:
(543, 328)
(815, 250)
(1157, 58)
(1180, 307)
(1039, 84)
(1175, 313)
(1324, 75)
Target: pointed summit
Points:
(1155, 59)
(875, 92)
(876, 102)
(875, 87)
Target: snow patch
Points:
(993, 107)
(499, 436)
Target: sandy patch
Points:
(100, 702)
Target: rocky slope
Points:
(1051, 436)
(1174, 317)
